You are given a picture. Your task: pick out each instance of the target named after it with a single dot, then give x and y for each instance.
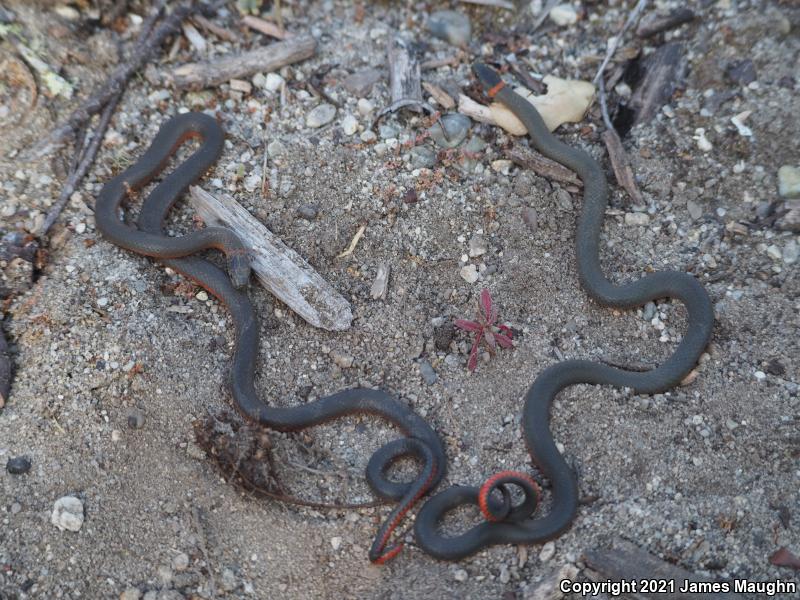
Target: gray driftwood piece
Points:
(628, 561)
(405, 80)
(237, 66)
(663, 72)
(276, 266)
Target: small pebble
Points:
(460, 575)
(789, 181)
(423, 157)
(273, 82)
(649, 311)
(505, 574)
(760, 375)
(67, 514)
(695, 210)
(547, 552)
(360, 83)
(228, 580)
(349, 125)
(790, 252)
(774, 252)
(380, 286)
(456, 127)
(102, 302)
(637, 219)
(320, 115)
(18, 465)
(469, 273)
(502, 166)
(427, 372)
(180, 562)
(368, 136)
(275, 149)
(477, 245)
(364, 107)
(530, 218)
(563, 15)
(450, 26)
(336, 542)
(308, 212)
(345, 361)
(135, 418)
(130, 593)
(202, 295)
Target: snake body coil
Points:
(149, 240)
(505, 523)
(536, 414)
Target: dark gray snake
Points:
(506, 522)
(518, 527)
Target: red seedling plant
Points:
(486, 329)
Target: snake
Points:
(147, 238)
(518, 524)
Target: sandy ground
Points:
(705, 476)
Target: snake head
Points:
(488, 77)
(239, 268)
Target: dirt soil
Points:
(705, 476)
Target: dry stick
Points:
(632, 18)
(144, 49)
(5, 370)
(619, 160)
(238, 66)
(541, 165)
(86, 162)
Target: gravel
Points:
(150, 493)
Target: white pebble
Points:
(336, 542)
(273, 82)
(67, 514)
(760, 375)
(320, 115)
(349, 125)
(469, 273)
(365, 107)
(461, 575)
(563, 14)
(640, 219)
(547, 552)
(202, 295)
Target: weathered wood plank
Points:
(276, 266)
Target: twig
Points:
(266, 27)
(498, 3)
(220, 32)
(239, 66)
(619, 159)
(5, 370)
(277, 267)
(83, 166)
(658, 23)
(201, 544)
(612, 48)
(543, 16)
(143, 50)
(541, 165)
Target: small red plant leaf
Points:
(507, 330)
(468, 325)
(503, 340)
(490, 341)
(472, 363)
(487, 306)
(784, 558)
